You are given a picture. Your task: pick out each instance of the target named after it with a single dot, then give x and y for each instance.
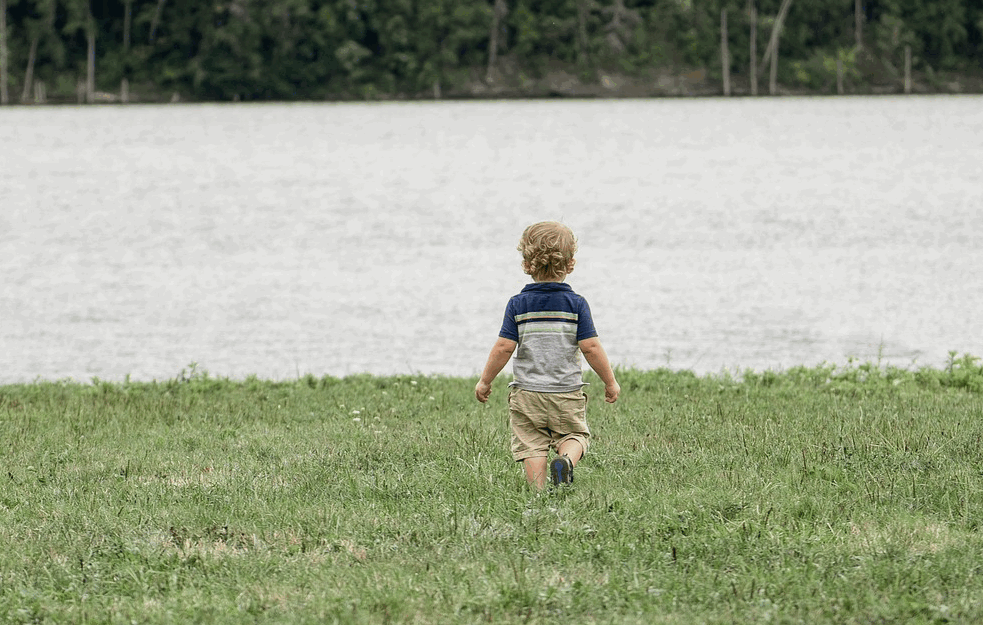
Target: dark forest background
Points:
(382, 49)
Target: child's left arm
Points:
(597, 358)
(497, 359)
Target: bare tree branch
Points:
(776, 31)
(499, 12)
(29, 73)
(156, 20)
(584, 9)
(620, 28)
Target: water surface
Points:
(280, 240)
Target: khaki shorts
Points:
(541, 421)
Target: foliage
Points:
(962, 372)
(819, 71)
(314, 49)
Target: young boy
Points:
(551, 325)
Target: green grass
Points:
(822, 495)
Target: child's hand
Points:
(481, 391)
(611, 392)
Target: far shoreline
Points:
(960, 368)
(555, 84)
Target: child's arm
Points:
(497, 359)
(597, 358)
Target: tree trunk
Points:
(90, 74)
(156, 21)
(4, 97)
(858, 26)
(907, 69)
(776, 31)
(124, 87)
(583, 45)
(492, 46)
(773, 78)
(29, 74)
(127, 25)
(754, 49)
(499, 11)
(724, 52)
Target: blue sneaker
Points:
(561, 471)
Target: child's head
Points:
(547, 251)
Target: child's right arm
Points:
(497, 359)
(597, 358)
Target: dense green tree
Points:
(4, 54)
(294, 50)
(451, 38)
(303, 49)
(548, 29)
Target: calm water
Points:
(281, 240)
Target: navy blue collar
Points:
(546, 287)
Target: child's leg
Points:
(569, 425)
(569, 452)
(530, 437)
(535, 471)
(571, 448)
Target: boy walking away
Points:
(551, 326)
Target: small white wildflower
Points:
(431, 398)
(357, 420)
(413, 382)
(356, 412)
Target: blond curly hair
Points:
(547, 250)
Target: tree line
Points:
(363, 49)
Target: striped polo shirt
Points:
(547, 320)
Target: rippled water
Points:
(280, 240)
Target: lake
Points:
(280, 240)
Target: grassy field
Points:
(822, 495)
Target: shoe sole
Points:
(561, 471)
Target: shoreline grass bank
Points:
(818, 495)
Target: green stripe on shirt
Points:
(547, 314)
